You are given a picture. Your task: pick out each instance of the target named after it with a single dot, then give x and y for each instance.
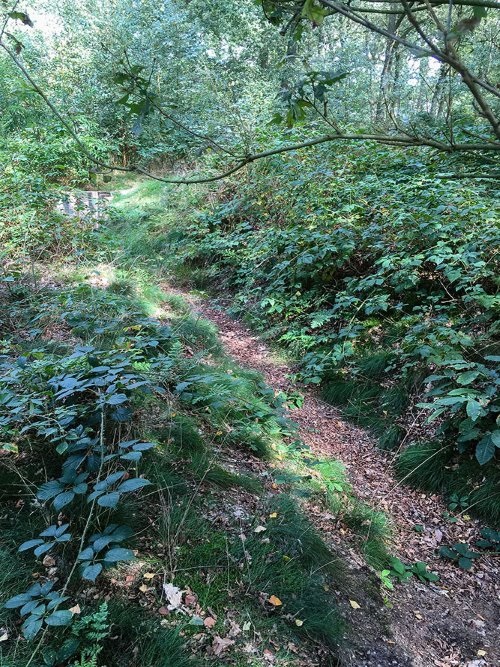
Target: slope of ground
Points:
(449, 623)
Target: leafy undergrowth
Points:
(154, 494)
(379, 274)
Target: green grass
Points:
(140, 639)
(365, 402)
(210, 419)
(436, 468)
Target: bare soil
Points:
(453, 623)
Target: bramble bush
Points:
(381, 276)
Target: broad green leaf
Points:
(133, 485)
(485, 450)
(495, 437)
(473, 409)
(29, 545)
(31, 627)
(18, 601)
(109, 500)
(63, 499)
(91, 572)
(59, 617)
(118, 554)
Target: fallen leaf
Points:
(190, 599)
(235, 629)
(173, 595)
(196, 620)
(273, 515)
(76, 609)
(143, 588)
(149, 575)
(163, 611)
(209, 622)
(481, 653)
(219, 645)
(275, 601)
(259, 529)
(354, 604)
(268, 655)
(246, 626)
(299, 623)
(48, 561)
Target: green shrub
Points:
(380, 277)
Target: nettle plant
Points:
(74, 410)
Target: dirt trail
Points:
(454, 623)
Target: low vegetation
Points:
(158, 507)
(153, 493)
(387, 297)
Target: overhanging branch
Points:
(402, 141)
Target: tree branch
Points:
(387, 139)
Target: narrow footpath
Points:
(453, 623)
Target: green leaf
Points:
(116, 399)
(91, 572)
(62, 500)
(49, 490)
(133, 484)
(495, 437)
(313, 12)
(474, 409)
(196, 620)
(86, 554)
(18, 601)
(43, 548)
(31, 627)
(21, 16)
(118, 554)
(467, 377)
(485, 449)
(446, 552)
(29, 607)
(59, 617)
(30, 544)
(479, 12)
(109, 500)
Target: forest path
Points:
(453, 623)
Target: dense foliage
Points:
(380, 273)
(149, 486)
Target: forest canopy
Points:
(428, 70)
